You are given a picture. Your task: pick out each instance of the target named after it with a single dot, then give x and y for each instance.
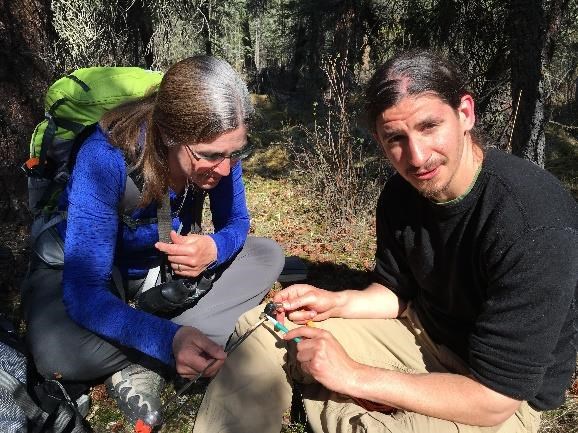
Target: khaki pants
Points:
(253, 389)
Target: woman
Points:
(186, 137)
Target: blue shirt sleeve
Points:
(95, 191)
(230, 215)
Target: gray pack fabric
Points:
(13, 362)
(19, 413)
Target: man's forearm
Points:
(374, 302)
(442, 395)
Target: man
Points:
(470, 323)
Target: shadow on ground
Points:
(332, 276)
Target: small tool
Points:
(282, 328)
(269, 311)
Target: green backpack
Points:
(73, 103)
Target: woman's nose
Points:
(223, 168)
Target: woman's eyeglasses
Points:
(219, 157)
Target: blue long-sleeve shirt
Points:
(96, 240)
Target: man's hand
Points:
(194, 351)
(189, 255)
(324, 358)
(304, 302)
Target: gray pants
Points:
(66, 350)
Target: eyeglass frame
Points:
(236, 155)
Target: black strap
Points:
(70, 125)
(78, 81)
(198, 202)
(165, 221)
(47, 138)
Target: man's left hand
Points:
(189, 255)
(324, 358)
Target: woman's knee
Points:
(66, 360)
(52, 358)
(265, 252)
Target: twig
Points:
(514, 121)
(561, 125)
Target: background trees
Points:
(521, 55)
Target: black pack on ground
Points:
(27, 403)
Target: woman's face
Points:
(204, 164)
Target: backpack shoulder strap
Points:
(198, 202)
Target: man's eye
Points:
(429, 126)
(395, 139)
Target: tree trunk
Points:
(532, 32)
(249, 64)
(25, 36)
(139, 22)
(207, 28)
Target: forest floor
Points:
(337, 256)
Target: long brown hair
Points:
(199, 98)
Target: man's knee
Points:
(248, 319)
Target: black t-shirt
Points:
(492, 276)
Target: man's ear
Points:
(466, 112)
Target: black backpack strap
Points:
(165, 220)
(47, 138)
(78, 81)
(164, 227)
(198, 202)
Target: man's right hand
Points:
(193, 351)
(303, 302)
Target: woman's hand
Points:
(189, 255)
(193, 352)
(303, 302)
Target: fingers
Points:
(214, 369)
(195, 352)
(190, 238)
(305, 332)
(302, 316)
(179, 243)
(189, 255)
(211, 348)
(292, 292)
(281, 317)
(198, 364)
(173, 249)
(302, 302)
(182, 267)
(296, 296)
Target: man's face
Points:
(429, 144)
